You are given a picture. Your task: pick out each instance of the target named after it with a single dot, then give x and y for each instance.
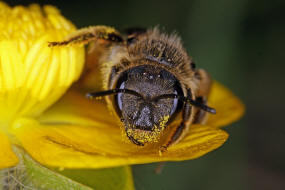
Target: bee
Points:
(150, 81)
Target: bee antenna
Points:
(187, 99)
(111, 92)
(201, 105)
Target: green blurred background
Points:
(241, 43)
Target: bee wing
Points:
(91, 78)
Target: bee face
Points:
(146, 116)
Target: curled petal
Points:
(229, 108)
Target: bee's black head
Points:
(144, 114)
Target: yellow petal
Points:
(32, 75)
(7, 156)
(101, 146)
(229, 108)
(74, 108)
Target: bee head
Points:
(143, 113)
(147, 98)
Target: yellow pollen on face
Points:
(148, 136)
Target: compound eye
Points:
(118, 104)
(175, 104)
(119, 97)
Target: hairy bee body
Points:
(153, 82)
(152, 48)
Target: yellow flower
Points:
(32, 75)
(87, 136)
(76, 132)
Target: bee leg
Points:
(200, 116)
(204, 86)
(182, 127)
(134, 140)
(173, 138)
(93, 33)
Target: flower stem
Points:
(29, 174)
